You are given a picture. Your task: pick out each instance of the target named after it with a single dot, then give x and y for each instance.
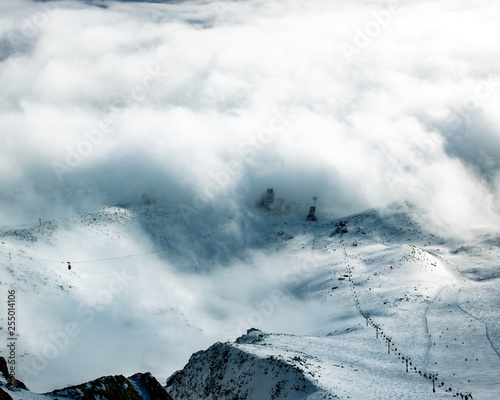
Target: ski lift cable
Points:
(121, 269)
(159, 250)
(118, 258)
(124, 268)
(128, 266)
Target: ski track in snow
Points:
(452, 300)
(482, 322)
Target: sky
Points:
(207, 103)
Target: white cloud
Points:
(184, 87)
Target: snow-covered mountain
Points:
(149, 286)
(392, 295)
(137, 387)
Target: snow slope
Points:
(387, 275)
(299, 367)
(163, 285)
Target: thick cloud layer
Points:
(206, 103)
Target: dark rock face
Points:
(4, 395)
(107, 387)
(4, 369)
(137, 387)
(146, 383)
(227, 371)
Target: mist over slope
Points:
(145, 281)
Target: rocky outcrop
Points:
(226, 371)
(4, 395)
(149, 386)
(137, 387)
(4, 369)
(107, 387)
